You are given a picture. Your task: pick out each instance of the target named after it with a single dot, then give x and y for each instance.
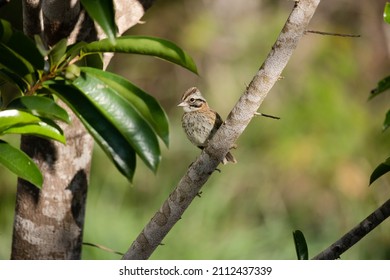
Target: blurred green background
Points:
(307, 171)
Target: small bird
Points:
(200, 122)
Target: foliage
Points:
(383, 85)
(123, 119)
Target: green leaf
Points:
(15, 63)
(102, 12)
(13, 121)
(13, 117)
(40, 106)
(5, 30)
(21, 44)
(386, 123)
(386, 13)
(113, 143)
(42, 129)
(94, 60)
(146, 46)
(144, 103)
(380, 170)
(20, 164)
(123, 116)
(42, 48)
(9, 93)
(300, 245)
(14, 79)
(57, 54)
(383, 85)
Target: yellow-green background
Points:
(307, 171)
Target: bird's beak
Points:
(182, 104)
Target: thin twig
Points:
(104, 248)
(332, 34)
(335, 250)
(267, 116)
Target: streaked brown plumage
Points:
(200, 122)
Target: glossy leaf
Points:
(380, 170)
(144, 103)
(13, 117)
(40, 106)
(147, 46)
(42, 129)
(300, 245)
(20, 164)
(386, 13)
(383, 85)
(113, 143)
(123, 116)
(102, 12)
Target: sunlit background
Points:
(307, 171)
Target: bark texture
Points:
(242, 113)
(49, 223)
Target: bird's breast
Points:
(198, 127)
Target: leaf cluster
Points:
(123, 119)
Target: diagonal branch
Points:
(335, 250)
(199, 172)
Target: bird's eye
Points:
(192, 99)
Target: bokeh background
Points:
(307, 171)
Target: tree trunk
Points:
(49, 223)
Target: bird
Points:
(199, 121)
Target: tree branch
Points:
(335, 250)
(238, 119)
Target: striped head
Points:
(192, 100)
